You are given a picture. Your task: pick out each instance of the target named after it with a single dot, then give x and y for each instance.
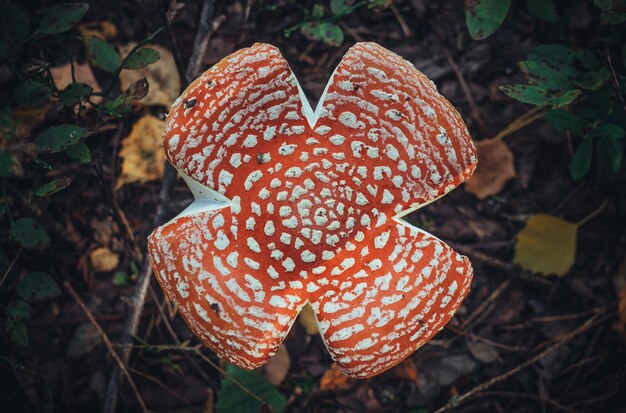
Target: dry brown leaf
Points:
(103, 259)
(406, 370)
(27, 119)
(308, 321)
(495, 168)
(162, 77)
(142, 152)
(62, 77)
(276, 369)
(104, 30)
(334, 379)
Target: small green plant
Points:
(583, 89)
(80, 112)
(319, 26)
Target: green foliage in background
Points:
(583, 88)
(50, 36)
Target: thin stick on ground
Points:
(107, 343)
(138, 297)
(491, 382)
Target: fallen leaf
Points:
(308, 321)
(103, 29)
(495, 168)
(406, 370)
(62, 77)
(27, 119)
(482, 351)
(276, 369)
(334, 379)
(546, 245)
(162, 77)
(142, 152)
(103, 259)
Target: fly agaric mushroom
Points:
(296, 206)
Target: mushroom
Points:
(296, 206)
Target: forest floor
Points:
(539, 343)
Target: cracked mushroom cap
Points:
(295, 205)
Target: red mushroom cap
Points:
(295, 206)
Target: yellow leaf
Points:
(142, 152)
(308, 321)
(495, 168)
(546, 245)
(162, 77)
(103, 259)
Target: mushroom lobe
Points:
(295, 205)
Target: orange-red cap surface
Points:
(296, 206)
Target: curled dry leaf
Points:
(142, 152)
(406, 370)
(162, 77)
(103, 259)
(334, 379)
(546, 245)
(276, 369)
(494, 170)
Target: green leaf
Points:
(62, 17)
(15, 28)
(58, 138)
(544, 75)
(594, 79)
(140, 58)
(543, 9)
(340, 6)
(327, 32)
(563, 120)
(612, 18)
(561, 58)
(53, 187)
(17, 331)
(318, 11)
(30, 234)
(565, 99)
(581, 161)
(79, 151)
(604, 5)
(32, 93)
(103, 55)
(232, 399)
(120, 278)
(607, 130)
(533, 95)
(483, 17)
(6, 162)
(18, 310)
(124, 102)
(613, 151)
(37, 286)
(74, 93)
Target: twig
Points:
(120, 364)
(138, 298)
(524, 120)
(466, 91)
(616, 84)
(10, 267)
(203, 36)
(556, 404)
(593, 214)
(405, 27)
(491, 382)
